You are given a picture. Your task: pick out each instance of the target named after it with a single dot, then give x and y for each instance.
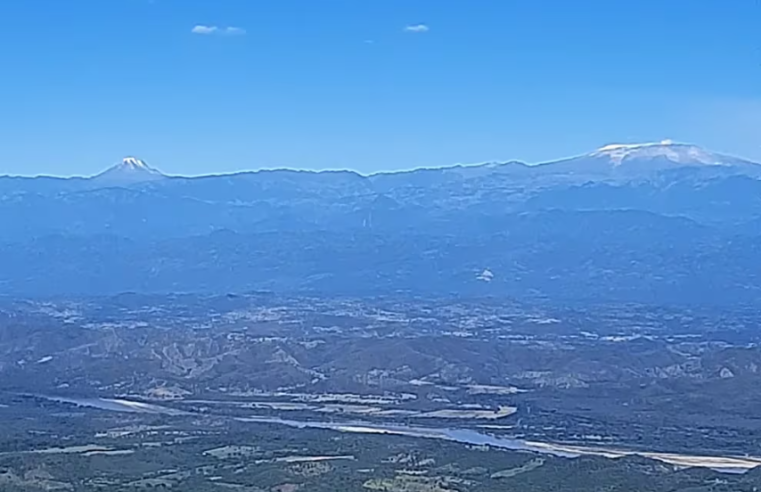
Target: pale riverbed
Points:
(730, 464)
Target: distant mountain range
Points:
(661, 222)
(609, 161)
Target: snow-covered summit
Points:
(678, 153)
(130, 170)
(133, 163)
(639, 160)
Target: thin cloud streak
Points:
(210, 30)
(234, 31)
(204, 30)
(417, 28)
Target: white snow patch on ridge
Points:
(666, 149)
(612, 147)
(134, 163)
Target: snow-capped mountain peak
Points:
(628, 161)
(668, 150)
(133, 163)
(130, 170)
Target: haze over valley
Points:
(380, 246)
(599, 310)
(663, 222)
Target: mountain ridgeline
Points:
(664, 222)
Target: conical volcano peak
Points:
(134, 163)
(130, 170)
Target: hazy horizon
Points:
(158, 166)
(208, 87)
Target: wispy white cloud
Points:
(209, 30)
(204, 29)
(234, 31)
(417, 28)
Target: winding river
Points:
(728, 464)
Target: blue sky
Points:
(345, 84)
